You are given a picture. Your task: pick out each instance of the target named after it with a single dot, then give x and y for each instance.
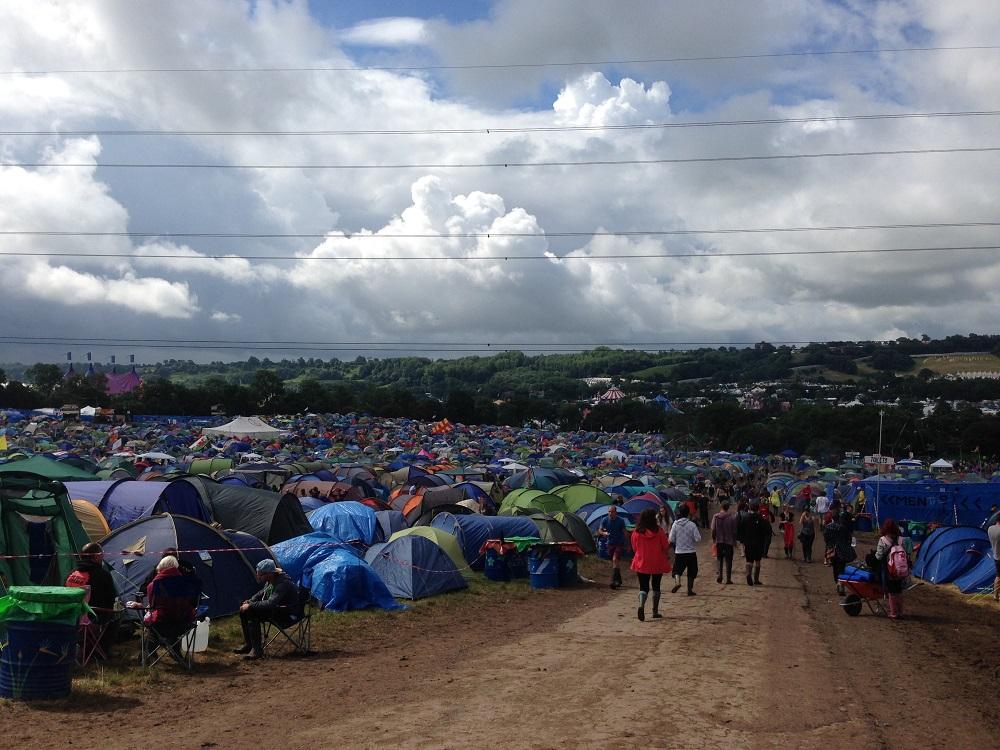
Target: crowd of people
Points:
(661, 547)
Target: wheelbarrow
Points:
(865, 593)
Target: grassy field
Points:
(952, 364)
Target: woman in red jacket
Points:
(651, 561)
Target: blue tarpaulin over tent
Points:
(345, 521)
(950, 552)
(413, 567)
(471, 531)
(946, 503)
(334, 573)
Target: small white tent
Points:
(249, 427)
(941, 464)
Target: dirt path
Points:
(734, 667)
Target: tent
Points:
(576, 496)
(949, 552)
(345, 521)
(266, 515)
(227, 576)
(49, 468)
(36, 518)
(389, 522)
(549, 529)
(93, 523)
(413, 567)
(528, 498)
(333, 572)
(980, 577)
(209, 465)
(472, 531)
(579, 529)
(254, 428)
(123, 501)
(442, 539)
(941, 464)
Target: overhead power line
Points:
(139, 342)
(511, 164)
(509, 66)
(505, 130)
(494, 258)
(489, 235)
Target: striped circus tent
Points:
(613, 395)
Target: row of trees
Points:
(820, 430)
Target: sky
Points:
(356, 283)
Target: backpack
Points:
(898, 565)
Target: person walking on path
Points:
(807, 534)
(684, 535)
(613, 528)
(888, 540)
(703, 510)
(754, 533)
(787, 526)
(839, 550)
(724, 535)
(651, 559)
(994, 534)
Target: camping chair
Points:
(176, 599)
(92, 632)
(295, 624)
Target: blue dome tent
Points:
(413, 567)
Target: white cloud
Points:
(386, 32)
(358, 296)
(141, 295)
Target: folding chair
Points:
(294, 624)
(174, 598)
(91, 635)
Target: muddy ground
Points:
(778, 665)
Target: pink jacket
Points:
(650, 549)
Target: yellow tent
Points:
(91, 519)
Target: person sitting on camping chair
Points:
(93, 575)
(276, 602)
(171, 604)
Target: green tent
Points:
(579, 529)
(575, 496)
(549, 529)
(531, 498)
(54, 530)
(210, 465)
(49, 468)
(442, 539)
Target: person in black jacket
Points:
(754, 533)
(274, 603)
(92, 573)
